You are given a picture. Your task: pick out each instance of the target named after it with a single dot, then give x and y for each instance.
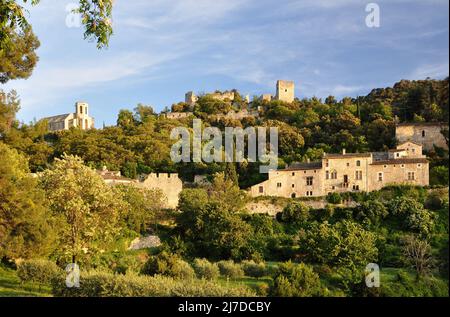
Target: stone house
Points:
(79, 119)
(348, 172)
(427, 134)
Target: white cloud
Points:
(434, 71)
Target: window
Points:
(309, 180)
(385, 166)
(261, 189)
(327, 175)
(334, 175)
(413, 150)
(398, 154)
(293, 195)
(293, 185)
(326, 164)
(423, 133)
(355, 187)
(278, 185)
(358, 175)
(419, 165)
(358, 163)
(380, 176)
(333, 187)
(293, 174)
(403, 166)
(411, 176)
(309, 193)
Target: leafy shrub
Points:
(39, 271)
(230, 269)
(296, 280)
(371, 212)
(405, 285)
(334, 198)
(436, 199)
(103, 284)
(253, 269)
(169, 265)
(205, 269)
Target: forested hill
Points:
(140, 142)
(415, 100)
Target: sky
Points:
(161, 49)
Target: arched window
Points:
(358, 163)
(293, 195)
(423, 133)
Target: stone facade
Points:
(169, 184)
(425, 133)
(348, 172)
(79, 119)
(285, 91)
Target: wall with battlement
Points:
(170, 185)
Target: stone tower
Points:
(190, 98)
(84, 121)
(285, 91)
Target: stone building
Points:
(427, 134)
(348, 172)
(79, 119)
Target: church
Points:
(79, 119)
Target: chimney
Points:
(343, 151)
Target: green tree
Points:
(296, 280)
(86, 207)
(26, 224)
(19, 59)
(143, 206)
(296, 213)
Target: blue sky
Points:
(162, 48)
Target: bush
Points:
(230, 269)
(296, 280)
(436, 199)
(39, 271)
(253, 269)
(103, 284)
(205, 269)
(334, 198)
(170, 265)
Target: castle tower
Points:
(285, 91)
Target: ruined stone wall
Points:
(425, 134)
(285, 91)
(170, 185)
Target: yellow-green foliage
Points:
(37, 270)
(102, 284)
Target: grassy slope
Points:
(10, 286)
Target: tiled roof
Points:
(346, 155)
(401, 161)
(58, 118)
(304, 166)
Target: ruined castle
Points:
(428, 134)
